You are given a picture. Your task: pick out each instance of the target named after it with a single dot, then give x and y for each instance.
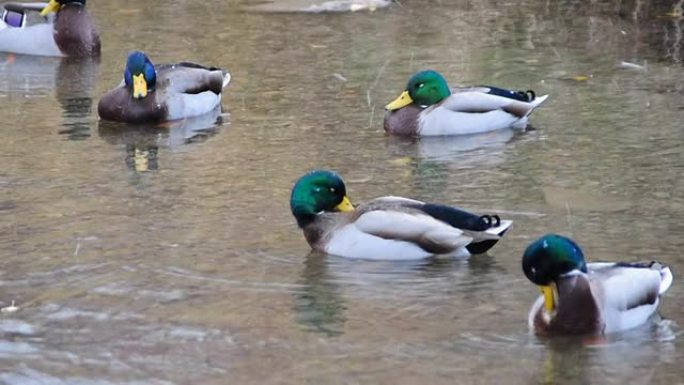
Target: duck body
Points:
(179, 91)
(429, 107)
(597, 298)
(393, 228)
(71, 32)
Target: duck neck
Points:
(304, 219)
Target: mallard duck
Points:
(71, 33)
(585, 298)
(153, 94)
(428, 107)
(388, 227)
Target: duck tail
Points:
(494, 234)
(226, 79)
(501, 228)
(666, 277)
(535, 101)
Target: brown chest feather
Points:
(577, 312)
(403, 121)
(75, 32)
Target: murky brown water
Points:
(194, 272)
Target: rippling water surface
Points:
(169, 256)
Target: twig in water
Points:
(567, 208)
(372, 114)
(375, 82)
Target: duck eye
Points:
(332, 189)
(420, 85)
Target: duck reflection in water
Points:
(430, 162)
(319, 305)
(71, 79)
(331, 285)
(462, 151)
(142, 143)
(75, 82)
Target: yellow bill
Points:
(345, 205)
(139, 86)
(549, 298)
(53, 6)
(402, 101)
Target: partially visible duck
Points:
(70, 33)
(153, 94)
(589, 298)
(391, 228)
(428, 107)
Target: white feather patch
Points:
(538, 101)
(226, 79)
(666, 279)
(34, 40)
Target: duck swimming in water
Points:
(429, 107)
(158, 93)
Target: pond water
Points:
(170, 256)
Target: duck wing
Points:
(628, 292)
(482, 99)
(191, 78)
(436, 228)
(400, 219)
(629, 285)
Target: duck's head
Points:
(425, 88)
(140, 75)
(549, 258)
(318, 191)
(56, 5)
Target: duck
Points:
(159, 93)
(429, 107)
(589, 298)
(386, 228)
(71, 32)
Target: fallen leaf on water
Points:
(401, 161)
(128, 11)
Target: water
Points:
(171, 257)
